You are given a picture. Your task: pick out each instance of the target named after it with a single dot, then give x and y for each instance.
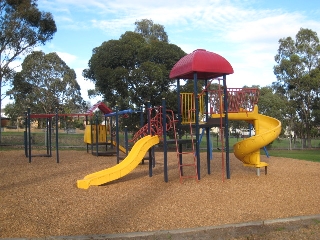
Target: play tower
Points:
(202, 65)
(214, 108)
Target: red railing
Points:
(156, 123)
(238, 99)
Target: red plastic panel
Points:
(103, 108)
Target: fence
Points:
(16, 139)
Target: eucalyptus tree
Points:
(22, 28)
(133, 70)
(151, 31)
(298, 77)
(275, 105)
(46, 83)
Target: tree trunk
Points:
(308, 136)
(309, 143)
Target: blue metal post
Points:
(141, 117)
(149, 132)
(179, 124)
(196, 99)
(106, 132)
(226, 125)
(57, 142)
(148, 117)
(165, 148)
(209, 151)
(117, 134)
(110, 132)
(26, 134)
(50, 135)
(119, 113)
(97, 137)
(126, 139)
(47, 136)
(29, 134)
(266, 151)
(179, 108)
(90, 133)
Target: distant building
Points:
(2, 113)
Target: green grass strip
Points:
(309, 155)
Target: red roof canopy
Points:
(206, 64)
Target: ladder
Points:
(187, 169)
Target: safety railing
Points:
(238, 99)
(155, 127)
(188, 102)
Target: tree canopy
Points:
(298, 77)
(272, 103)
(133, 70)
(46, 82)
(151, 31)
(22, 27)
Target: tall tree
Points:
(151, 31)
(275, 105)
(133, 69)
(297, 76)
(22, 27)
(272, 103)
(11, 113)
(46, 82)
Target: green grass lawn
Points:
(309, 155)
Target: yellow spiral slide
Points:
(133, 159)
(267, 129)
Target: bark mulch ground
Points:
(40, 199)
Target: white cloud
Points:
(246, 37)
(85, 86)
(68, 58)
(112, 26)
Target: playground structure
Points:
(95, 134)
(49, 131)
(159, 122)
(210, 108)
(219, 104)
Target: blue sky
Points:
(245, 32)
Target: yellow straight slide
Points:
(133, 159)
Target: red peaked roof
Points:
(206, 64)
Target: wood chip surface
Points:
(41, 198)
